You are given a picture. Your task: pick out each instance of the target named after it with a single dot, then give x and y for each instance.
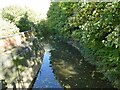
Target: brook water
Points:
(64, 67)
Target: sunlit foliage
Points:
(23, 17)
(96, 26)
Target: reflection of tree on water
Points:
(45, 77)
(64, 68)
(71, 69)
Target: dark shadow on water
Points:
(65, 64)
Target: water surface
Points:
(64, 67)
(45, 78)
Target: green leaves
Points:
(22, 17)
(94, 24)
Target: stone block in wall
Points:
(9, 42)
(19, 66)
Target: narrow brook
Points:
(46, 78)
(64, 67)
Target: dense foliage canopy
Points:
(23, 17)
(96, 26)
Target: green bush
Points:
(43, 28)
(96, 26)
(22, 17)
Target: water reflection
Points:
(72, 71)
(64, 67)
(45, 78)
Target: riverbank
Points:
(64, 63)
(90, 58)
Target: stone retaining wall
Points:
(20, 59)
(11, 41)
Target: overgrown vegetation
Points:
(43, 29)
(96, 26)
(24, 18)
